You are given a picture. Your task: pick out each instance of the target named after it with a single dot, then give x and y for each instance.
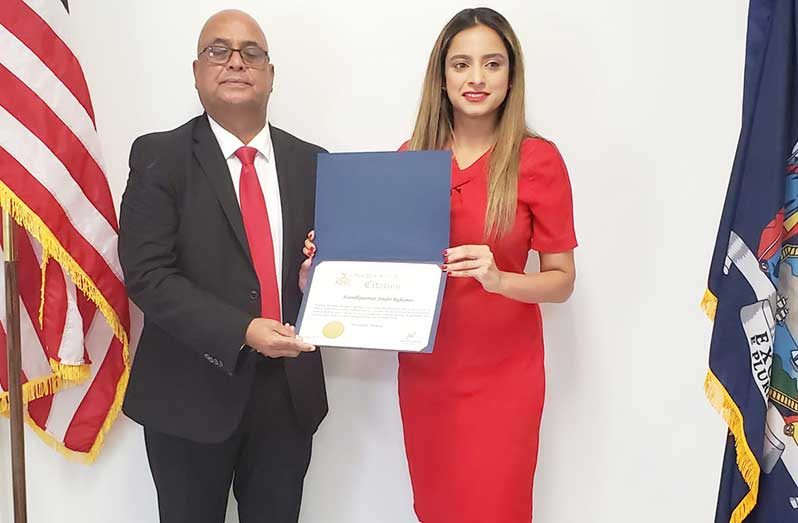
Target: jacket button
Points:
(253, 295)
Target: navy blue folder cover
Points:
(384, 206)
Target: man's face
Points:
(236, 83)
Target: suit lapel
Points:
(213, 164)
(286, 180)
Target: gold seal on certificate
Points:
(333, 329)
(371, 305)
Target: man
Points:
(211, 230)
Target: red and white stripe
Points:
(50, 160)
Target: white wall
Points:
(642, 97)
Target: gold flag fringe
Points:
(45, 259)
(62, 377)
(52, 248)
(24, 216)
(709, 304)
(50, 385)
(749, 468)
(74, 374)
(86, 458)
(722, 402)
(33, 390)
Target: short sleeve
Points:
(546, 190)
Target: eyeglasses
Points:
(252, 55)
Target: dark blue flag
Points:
(753, 283)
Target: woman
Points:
(471, 409)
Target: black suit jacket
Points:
(187, 266)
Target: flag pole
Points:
(14, 353)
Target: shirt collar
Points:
(229, 143)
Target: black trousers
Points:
(266, 459)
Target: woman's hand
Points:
(473, 261)
(309, 250)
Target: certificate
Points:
(381, 222)
(376, 305)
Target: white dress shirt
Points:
(267, 176)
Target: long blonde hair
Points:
(435, 121)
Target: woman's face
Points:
(477, 70)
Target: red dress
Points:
(471, 409)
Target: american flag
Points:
(75, 322)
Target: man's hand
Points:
(275, 340)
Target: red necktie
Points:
(259, 233)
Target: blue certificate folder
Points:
(383, 207)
